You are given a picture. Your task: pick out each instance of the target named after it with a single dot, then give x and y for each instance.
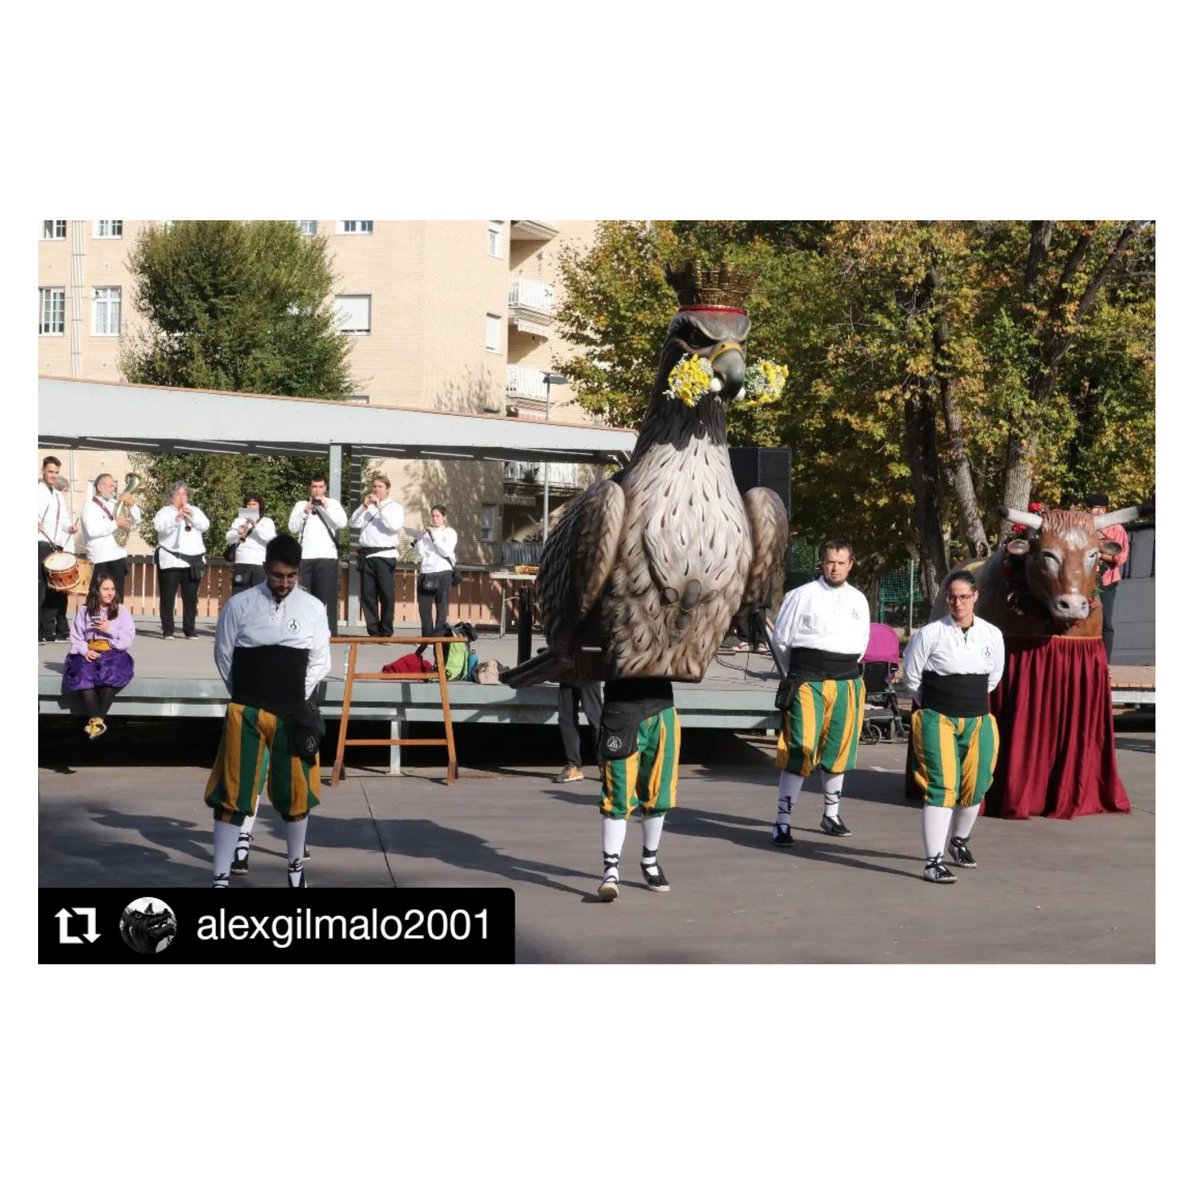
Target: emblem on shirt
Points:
(292, 625)
(987, 652)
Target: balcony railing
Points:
(559, 474)
(526, 383)
(531, 298)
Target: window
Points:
(53, 308)
(106, 311)
(308, 228)
(54, 231)
(109, 229)
(487, 523)
(491, 333)
(360, 399)
(496, 238)
(356, 226)
(353, 314)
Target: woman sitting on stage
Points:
(99, 664)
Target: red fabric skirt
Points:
(1058, 754)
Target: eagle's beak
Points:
(729, 366)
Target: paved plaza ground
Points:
(1046, 891)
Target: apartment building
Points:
(456, 316)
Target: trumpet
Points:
(132, 483)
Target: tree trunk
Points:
(920, 449)
(958, 465)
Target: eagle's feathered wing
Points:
(768, 535)
(577, 561)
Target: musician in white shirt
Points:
(316, 522)
(55, 531)
(250, 534)
(180, 527)
(380, 518)
(101, 521)
(436, 546)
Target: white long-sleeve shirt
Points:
(820, 617)
(54, 516)
(315, 540)
(253, 551)
(425, 540)
(174, 536)
(100, 528)
(945, 649)
(255, 618)
(381, 526)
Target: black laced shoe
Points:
(307, 854)
(937, 872)
(834, 826)
(652, 873)
(609, 887)
(220, 881)
(241, 858)
(294, 867)
(781, 835)
(961, 853)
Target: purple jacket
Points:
(119, 633)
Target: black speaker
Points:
(760, 466)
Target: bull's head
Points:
(1061, 556)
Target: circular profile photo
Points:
(148, 925)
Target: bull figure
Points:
(1046, 583)
(1054, 704)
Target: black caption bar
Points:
(268, 925)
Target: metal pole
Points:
(546, 481)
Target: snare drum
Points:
(62, 571)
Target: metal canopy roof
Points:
(93, 414)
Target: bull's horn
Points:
(1017, 517)
(1104, 520)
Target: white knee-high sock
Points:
(789, 789)
(964, 821)
(652, 827)
(225, 836)
(831, 785)
(296, 831)
(935, 824)
(612, 836)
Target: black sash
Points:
(627, 703)
(270, 677)
(955, 695)
(807, 663)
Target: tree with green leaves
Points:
(241, 306)
(930, 364)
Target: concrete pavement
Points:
(1045, 891)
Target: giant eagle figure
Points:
(643, 573)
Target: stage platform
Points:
(178, 678)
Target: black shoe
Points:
(656, 881)
(961, 853)
(303, 882)
(834, 826)
(167, 635)
(781, 835)
(241, 859)
(937, 872)
(220, 881)
(307, 855)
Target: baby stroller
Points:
(881, 714)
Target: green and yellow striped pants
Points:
(254, 750)
(822, 727)
(955, 757)
(650, 774)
